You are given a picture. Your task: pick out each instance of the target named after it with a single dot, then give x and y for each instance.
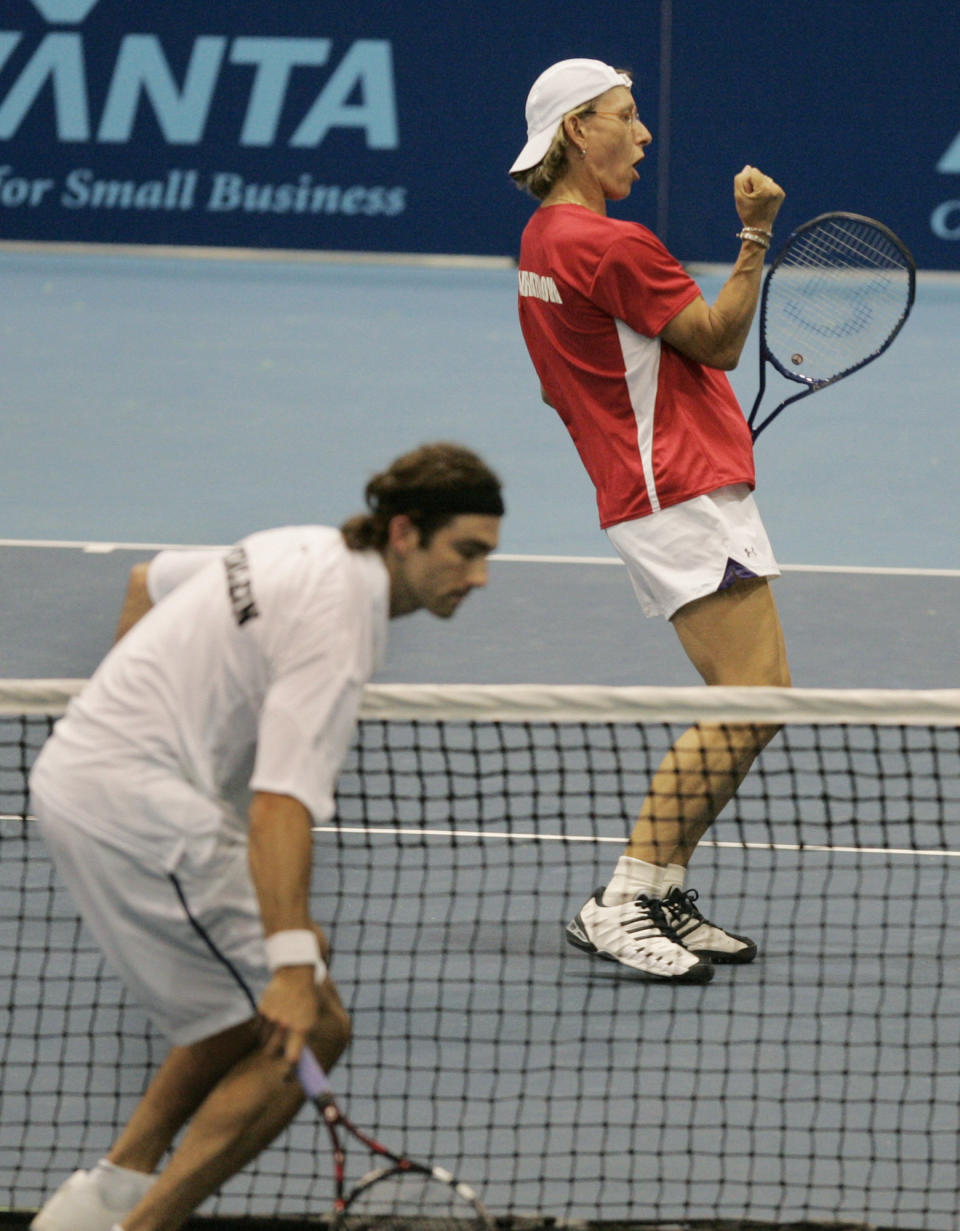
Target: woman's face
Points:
(615, 141)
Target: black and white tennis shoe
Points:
(699, 935)
(638, 935)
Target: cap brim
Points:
(534, 151)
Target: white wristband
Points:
(296, 947)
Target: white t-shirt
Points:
(246, 676)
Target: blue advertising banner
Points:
(388, 127)
(365, 126)
(849, 104)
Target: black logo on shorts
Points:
(239, 585)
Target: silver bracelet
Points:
(756, 235)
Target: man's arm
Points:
(281, 850)
(280, 856)
(716, 335)
(153, 579)
(136, 601)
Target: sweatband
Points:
(483, 498)
(295, 947)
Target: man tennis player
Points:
(177, 796)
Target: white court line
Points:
(387, 831)
(105, 548)
(316, 256)
(882, 570)
(412, 831)
(332, 256)
(949, 277)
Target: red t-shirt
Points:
(652, 427)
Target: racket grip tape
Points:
(311, 1076)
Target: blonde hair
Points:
(541, 179)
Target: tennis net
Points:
(818, 1084)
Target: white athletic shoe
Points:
(701, 936)
(637, 935)
(93, 1200)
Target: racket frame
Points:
(316, 1086)
(812, 384)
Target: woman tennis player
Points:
(632, 358)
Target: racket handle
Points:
(311, 1075)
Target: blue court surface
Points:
(154, 399)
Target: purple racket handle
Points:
(311, 1075)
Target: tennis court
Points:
(166, 399)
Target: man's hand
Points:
(288, 1011)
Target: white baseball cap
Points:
(558, 89)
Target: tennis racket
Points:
(835, 297)
(397, 1192)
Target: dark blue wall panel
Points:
(388, 126)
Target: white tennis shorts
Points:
(682, 553)
(189, 946)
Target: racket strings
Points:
(852, 246)
(836, 299)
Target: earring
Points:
(583, 150)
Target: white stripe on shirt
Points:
(641, 358)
